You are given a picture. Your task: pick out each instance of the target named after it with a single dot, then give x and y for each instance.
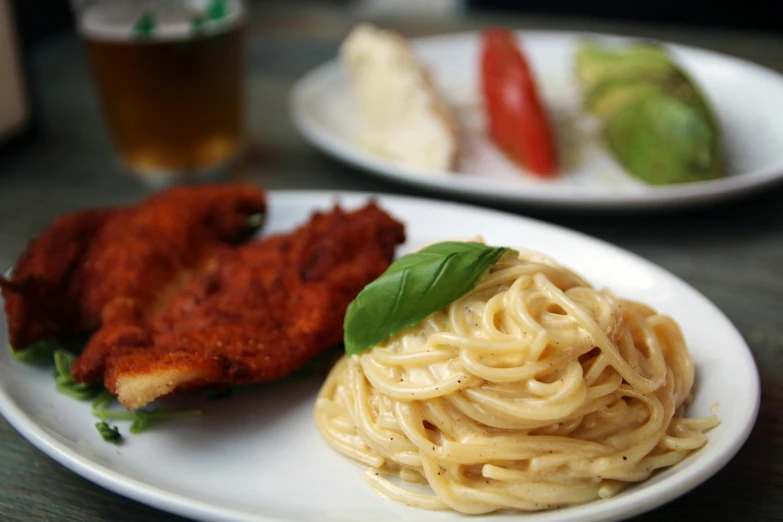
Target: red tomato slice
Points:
(518, 122)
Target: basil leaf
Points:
(412, 288)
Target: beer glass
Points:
(169, 76)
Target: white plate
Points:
(258, 457)
(744, 96)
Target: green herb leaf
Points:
(141, 420)
(144, 419)
(107, 414)
(63, 359)
(81, 394)
(216, 10)
(99, 404)
(109, 433)
(412, 288)
(59, 352)
(40, 352)
(145, 25)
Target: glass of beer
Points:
(169, 76)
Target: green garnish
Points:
(40, 352)
(412, 288)
(46, 351)
(146, 419)
(109, 433)
(63, 359)
(145, 25)
(254, 221)
(252, 225)
(100, 402)
(214, 11)
(141, 420)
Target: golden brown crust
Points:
(42, 296)
(89, 263)
(258, 313)
(173, 303)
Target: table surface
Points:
(733, 253)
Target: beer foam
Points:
(115, 20)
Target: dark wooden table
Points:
(733, 253)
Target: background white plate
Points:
(258, 457)
(745, 96)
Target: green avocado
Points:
(663, 140)
(596, 64)
(657, 123)
(605, 98)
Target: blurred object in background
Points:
(408, 7)
(15, 110)
(169, 74)
(750, 14)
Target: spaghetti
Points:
(533, 391)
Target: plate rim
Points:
(669, 196)
(672, 487)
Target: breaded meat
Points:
(256, 313)
(93, 266)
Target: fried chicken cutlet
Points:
(91, 266)
(257, 313)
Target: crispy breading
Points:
(256, 313)
(96, 264)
